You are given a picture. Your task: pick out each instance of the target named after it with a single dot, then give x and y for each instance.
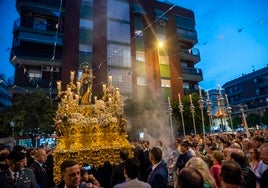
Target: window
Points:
(40, 24)
(186, 85)
(165, 83)
(35, 73)
(140, 56)
(141, 80)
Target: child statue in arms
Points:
(86, 81)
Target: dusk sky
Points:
(232, 37)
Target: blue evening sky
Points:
(232, 37)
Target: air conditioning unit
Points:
(45, 68)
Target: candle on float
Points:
(110, 80)
(117, 91)
(59, 85)
(219, 88)
(68, 91)
(207, 95)
(110, 99)
(77, 99)
(200, 92)
(227, 101)
(78, 86)
(104, 87)
(191, 101)
(95, 99)
(168, 102)
(179, 95)
(72, 75)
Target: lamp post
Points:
(12, 125)
(141, 135)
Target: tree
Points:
(32, 114)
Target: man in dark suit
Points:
(264, 158)
(40, 173)
(185, 155)
(16, 176)
(145, 162)
(158, 177)
(118, 171)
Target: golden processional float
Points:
(89, 131)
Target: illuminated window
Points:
(165, 82)
(140, 56)
(186, 85)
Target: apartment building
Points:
(118, 38)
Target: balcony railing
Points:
(28, 23)
(192, 74)
(190, 54)
(37, 3)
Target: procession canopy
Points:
(89, 130)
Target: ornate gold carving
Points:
(92, 133)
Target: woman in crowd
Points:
(254, 158)
(217, 158)
(200, 165)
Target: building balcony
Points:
(188, 91)
(26, 30)
(187, 35)
(36, 54)
(40, 6)
(192, 74)
(190, 55)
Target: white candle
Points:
(191, 99)
(78, 86)
(68, 91)
(59, 85)
(72, 75)
(200, 92)
(117, 91)
(168, 102)
(219, 88)
(207, 95)
(77, 99)
(110, 80)
(179, 98)
(227, 101)
(104, 87)
(95, 98)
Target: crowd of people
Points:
(214, 161)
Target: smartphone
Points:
(88, 167)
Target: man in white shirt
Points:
(70, 172)
(131, 171)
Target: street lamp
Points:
(141, 135)
(12, 125)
